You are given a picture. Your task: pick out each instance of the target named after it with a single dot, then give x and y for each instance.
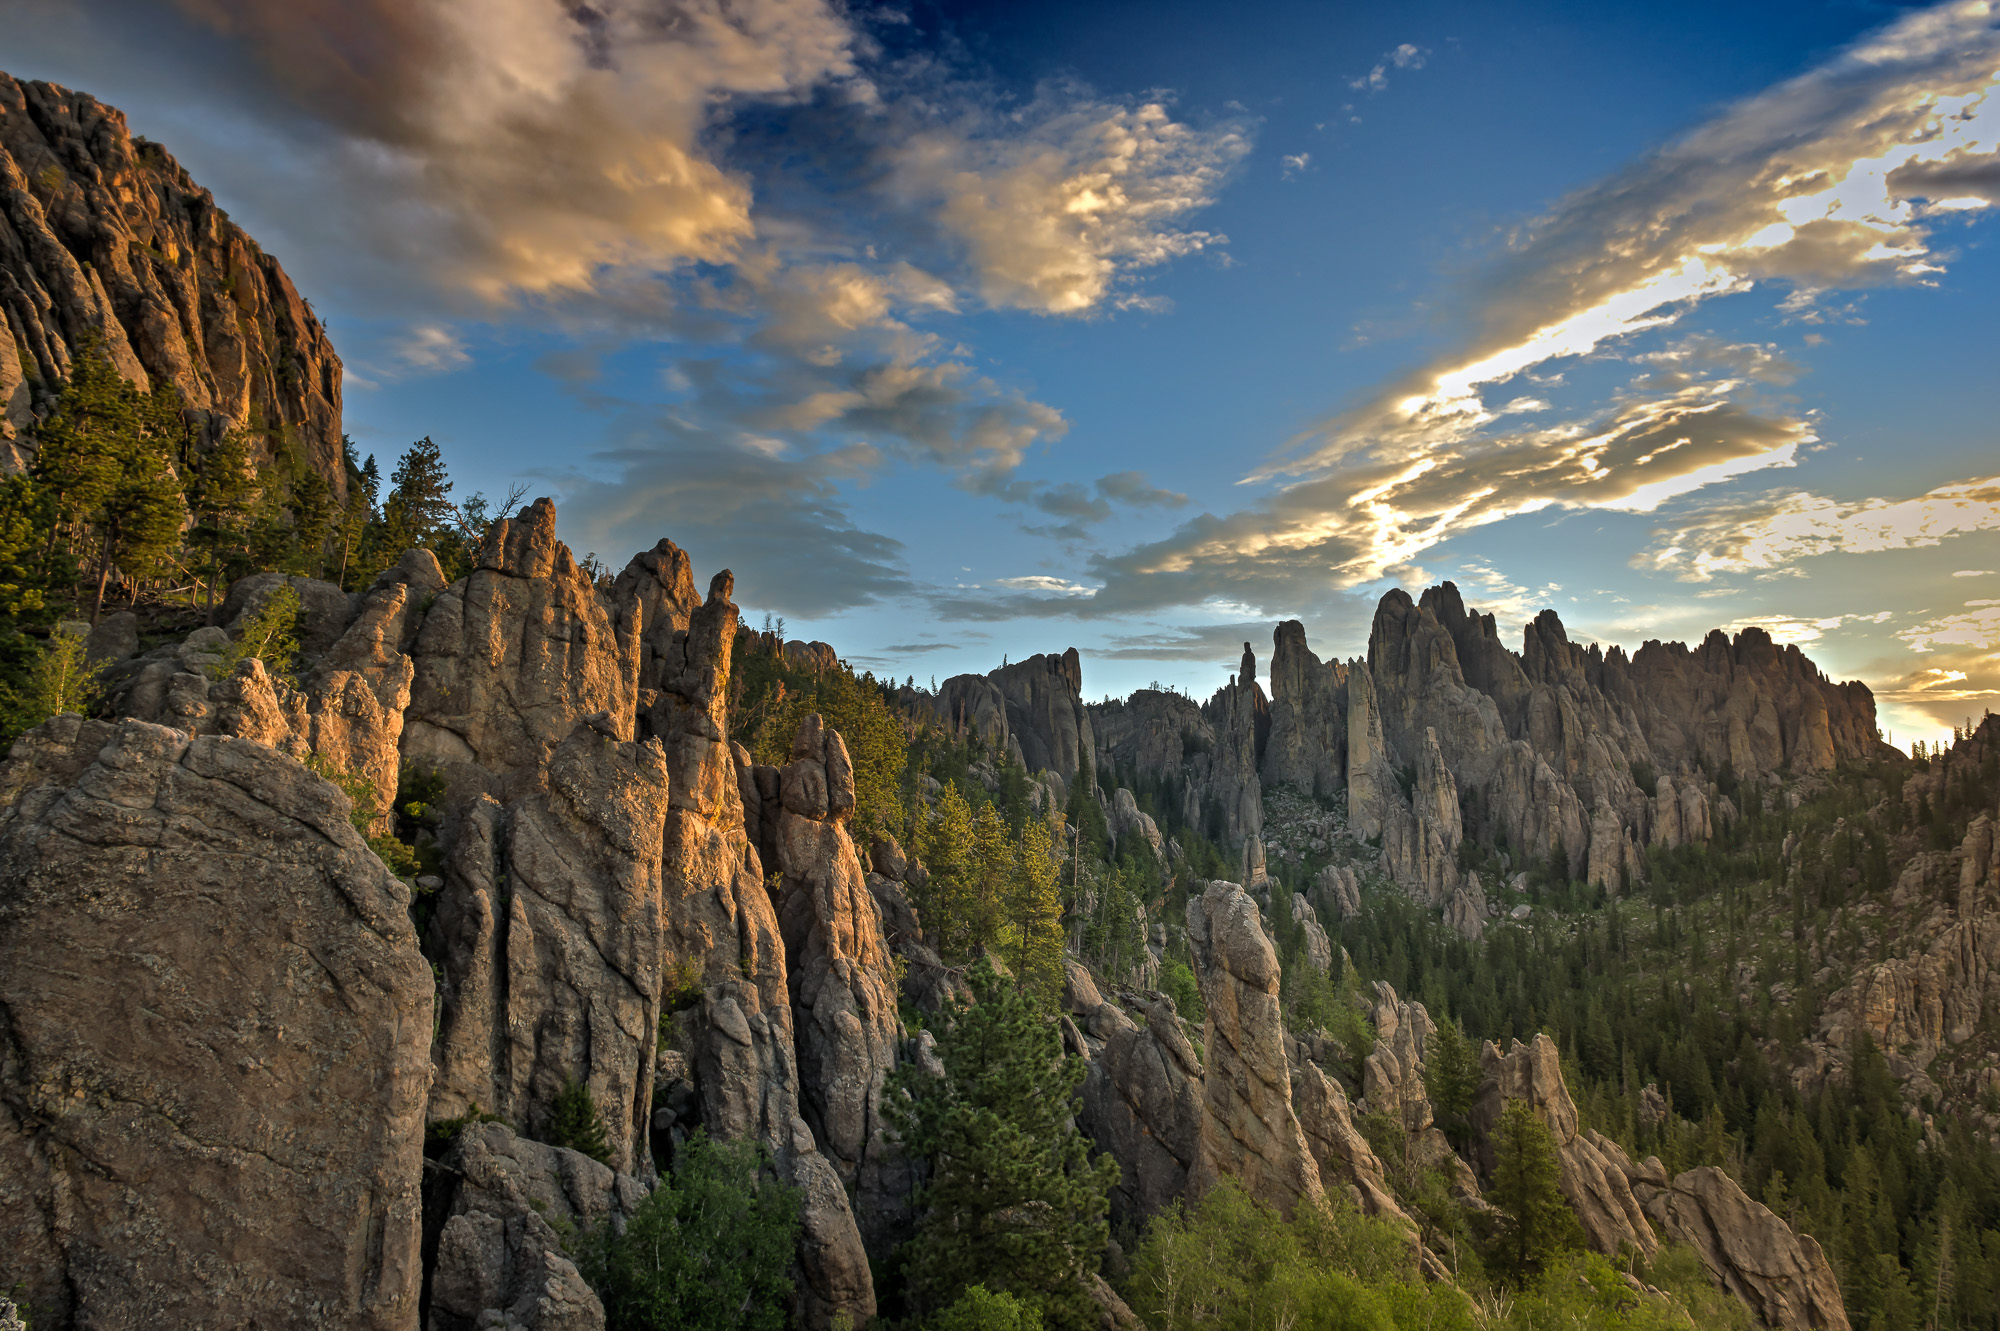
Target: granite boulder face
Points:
(212, 1095)
(1249, 1130)
(549, 936)
(104, 235)
(503, 1213)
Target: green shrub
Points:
(1178, 983)
(979, 1310)
(575, 1123)
(271, 635)
(711, 1248)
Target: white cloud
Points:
(1295, 164)
(1404, 56)
(1045, 585)
(1977, 626)
(1774, 531)
(1052, 202)
(1973, 573)
(1789, 187)
(429, 349)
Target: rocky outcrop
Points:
(511, 659)
(1045, 712)
(1142, 1103)
(1249, 1131)
(1346, 1160)
(505, 1213)
(1128, 820)
(735, 1044)
(1318, 947)
(1307, 747)
(843, 989)
(212, 1091)
(105, 235)
(1337, 891)
(1596, 1175)
(1750, 1252)
(928, 983)
(548, 934)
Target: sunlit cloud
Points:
(1976, 626)
(1775, 531)
(1790, 187)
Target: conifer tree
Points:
(1539, 1224)
(419, 511)
(219, 491)
(1014, 1201)
(575, 1123)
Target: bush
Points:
(1178, 983)
(977, 1310)
(710, 1250)
(575, 1123)
(1232, 1262)
(271, 635)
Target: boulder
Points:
(324, 609)
(217, 1044)
(1752, 1253)
(506, 1212)
(1127, 820)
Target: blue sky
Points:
(964, 332)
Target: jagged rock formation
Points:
(1750, 1252)
(103, 234)
(509, 661)
(1595, 1172)
(1308, 742)
(497, 1257)
(212, 1098)
(842, 988)
(1249, 1130)
(1142, 1102)
(1127, 820)
(548, 932)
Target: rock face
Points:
(1142, 1102)
(1308, 742)
(1249, 1131)
(510, 660)
(212, 1102)
(549, 935)
(842, 986)
(494, 1204)
(105, 235)
(1750, 1252)
(1045, 712)
(1596, 1175)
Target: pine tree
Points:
(1034, 913)
(1014, 1201)
(1539, 1224)
(419, 510)
(1451, 1076)
(574, 1123)
(219, 491)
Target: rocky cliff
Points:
(103, 234)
